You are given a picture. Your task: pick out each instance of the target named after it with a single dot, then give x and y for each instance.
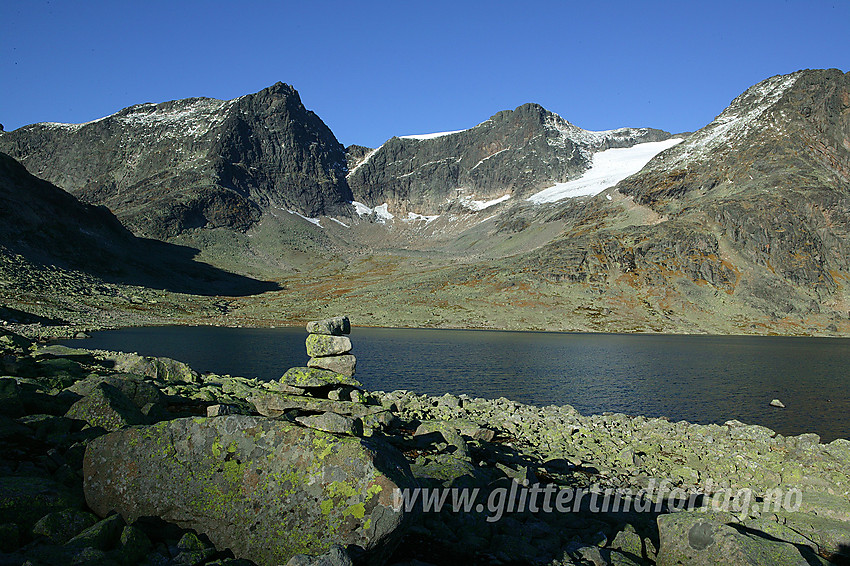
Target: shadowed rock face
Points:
(517, 152)
(198, 162)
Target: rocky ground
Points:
(209, 469)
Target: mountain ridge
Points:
(740, 228)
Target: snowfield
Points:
(607, 168)
(430, 136)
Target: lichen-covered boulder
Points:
(164, 369)
(307, 378)
(336, 326)
(319, 345)
(712, 538)
(106, 406)
(266, 489)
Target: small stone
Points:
(777, 403)
(332, 422)
(336, 326)
(320, 345)
(222, 410)
(344, 364)
(340, 393)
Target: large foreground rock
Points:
(266, 489)
(699, 538)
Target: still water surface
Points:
(701, 379)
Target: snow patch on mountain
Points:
(430, 136)
(365, 160)
(737, 121)
(476, 205)
(607, 168)
(381, 212)
(414, 217)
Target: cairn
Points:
(324, 395)
(328, 347)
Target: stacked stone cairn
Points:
(324, 395)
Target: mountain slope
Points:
(45, 226)
(514, 153)
(199, 162)
(741, 228)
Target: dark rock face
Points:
(266, 489)
(44, 225)
(517, 152)
(39, 218)
(199, 162)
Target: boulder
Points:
(141, 393)
(332, 422)
(107, 407)
(306, 378)
(266, 489)
(320, 345)
(61, 526)
(699, 538)
(54, 351)
(164, 369)
(344, 364)
(336, 326)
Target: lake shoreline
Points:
(463, 442)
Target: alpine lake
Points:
(697, 378)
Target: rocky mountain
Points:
(199, 162)
(515, 153)
(747, 219)
(740, 227)
(44, 228)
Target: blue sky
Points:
(372, 70)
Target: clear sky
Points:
(372, 70)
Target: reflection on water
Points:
(696, 378)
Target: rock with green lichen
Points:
(336, 326)
(107, 407)
(266, 489)
(332, 422)
(319, 345)
(133, 544)
(345, 364)
(140, 392)
(307, 378)
(272, 404)
(708, 539)
(103, 535)
(164, 369)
